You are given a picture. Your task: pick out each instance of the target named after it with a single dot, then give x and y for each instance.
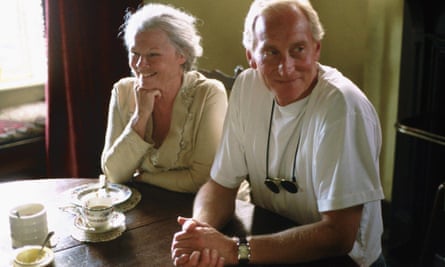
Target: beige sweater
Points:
(182, 163)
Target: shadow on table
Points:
(255, 220)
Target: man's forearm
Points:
(214, 204)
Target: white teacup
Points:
(28, 224)
(97, 211)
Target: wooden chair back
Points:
(226, 79)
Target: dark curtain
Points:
(85, 58)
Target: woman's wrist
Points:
(138, 125)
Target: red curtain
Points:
(85, 58)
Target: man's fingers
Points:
(188, 224)
(194, 258)
(181, 260)
(181, 220)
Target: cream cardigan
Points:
(182, 163)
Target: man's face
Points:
(285, 53)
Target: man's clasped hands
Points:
(199, 244)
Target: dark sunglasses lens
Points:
(289, 186)
(272, 186)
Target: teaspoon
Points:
(48, 236)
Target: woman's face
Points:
(154, 60)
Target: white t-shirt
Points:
(337, 164)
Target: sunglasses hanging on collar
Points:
(274, 183)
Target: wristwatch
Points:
(243, 251)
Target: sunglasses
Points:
(274, 185)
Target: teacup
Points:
(28, 224)
(97, 211)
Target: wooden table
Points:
(150, 225)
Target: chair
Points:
(226, 79)
(244, 190)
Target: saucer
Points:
(85, 233)
(117, 219)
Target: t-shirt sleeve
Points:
(346, 163)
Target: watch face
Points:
(243, 251)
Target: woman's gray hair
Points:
(179, 26)
(259, 7)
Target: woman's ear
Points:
(250, 59)
(180, 58)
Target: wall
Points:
(363, 40)
(221, 25)
(10, 97)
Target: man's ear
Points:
(317, 50)
(250, 59)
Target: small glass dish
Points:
(30, 256)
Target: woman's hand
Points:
(145, 101)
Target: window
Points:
(22, 44)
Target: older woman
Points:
(164, 124)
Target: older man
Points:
(309, 142)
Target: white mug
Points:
(97, 211)
(28, 224)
